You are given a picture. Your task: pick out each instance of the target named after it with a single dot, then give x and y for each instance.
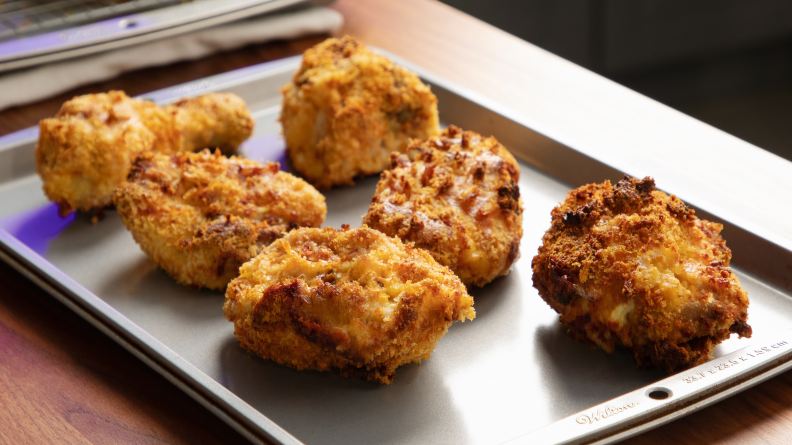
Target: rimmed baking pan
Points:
(512, 374)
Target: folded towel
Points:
(33, 84)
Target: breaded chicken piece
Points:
(200, 215)
(347, 109)
(216, 120)
(459, 200)
(629, 266)
(353, 300)
(88, 148)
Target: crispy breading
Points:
(217, 120)
(88, 148)
(348, 108)
(629, 266)
(353, 300)
(200, 215)
(459, 200)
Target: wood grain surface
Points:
(62, 381)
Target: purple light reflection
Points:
(268, 147)
(36, 228)
(76, 36)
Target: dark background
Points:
(725, 62)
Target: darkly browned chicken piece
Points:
(458, 199)
(353, 300)
(629, 266)
(200, 215)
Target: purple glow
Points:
(28, 135)
(36, 228)
(73, 37)
(268, 147)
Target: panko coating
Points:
(200, 215)
(629, 266)
(216, 120)
(348, 108)
(458, 199)
(88, 148)
(353, 300)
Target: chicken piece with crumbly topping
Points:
(200, 216)
(88, 148)
(348, 108)
(458, 199)
(215, 120)
(351, 300)
(628, 266)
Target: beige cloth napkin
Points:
(34, 84)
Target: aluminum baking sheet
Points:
(512, 374)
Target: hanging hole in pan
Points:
(659, 393)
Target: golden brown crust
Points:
(88, 148)
(459, 200)
(352, 300)
(217, 120)
(629, 266)
(347, 109)
(200, 216)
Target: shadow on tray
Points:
(581, 376)
(323, 407)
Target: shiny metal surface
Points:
(511, 371)
(133, 29)
(25, 17)
(670, 398)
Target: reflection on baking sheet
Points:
(36, 228)
(266, 147)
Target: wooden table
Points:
(62, 381)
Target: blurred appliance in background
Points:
(33, 32)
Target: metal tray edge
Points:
(637, 412)
(202, 388)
